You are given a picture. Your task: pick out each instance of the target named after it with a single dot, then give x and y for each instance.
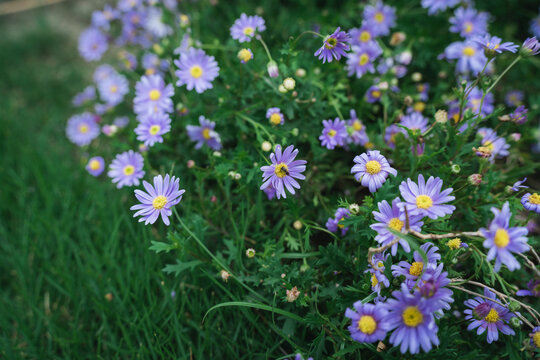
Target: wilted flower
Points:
(292, 294)
(475, 179)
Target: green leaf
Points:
(181, 266)
(158, 246)
(255, 306)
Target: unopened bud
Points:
(441, 116)
(250, 253)
(282, 89)
(273, 70)
(289, 83)
(397, 38)
(266, 146)
(475, 179)
(300, 72)
(297, 225)
(224, 275)
(416, 77)
(354, 208)
(408, 101)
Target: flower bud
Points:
(475, 179)
(266, 146)
(397, 38)
(297, 225)
(408, 100)
(416, 77)
(300, 72)
(383, 85)
(354, 209)
(273, 70)
(237, 176)
(289, 83)
(441, 116)
(190, 164)
(282, 89)
(455, 168)
(293, 294)
(250, 253)
(515, 136)
(515, 322)
(513, 306)
(224, 275)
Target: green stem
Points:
(503, 73)
(265, 48)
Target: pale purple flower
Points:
(535, 29)
(503, 240)
(368, 322)
(283, 171)
(204, 134)
(531, 202)
(92, 44)
(275, 116)
(519, 116)
(334, 46)
(411, 272)
(518, 185)
(103, 72)
(381, 17)
(196, 70)
(372, 169)
(158, 199)
(373, 94)
(360, 61)
(245, 27)
(333, 224)
(126, 169)
(514, 98)
(432, 287)
(121, 121)
(469, 56)
(152, 96)
(113, 89)
(474, 99)
(530, 47)
(415, 122)
(426, 198)
(95, 165)
(496, 145)
(356, 130)
(436, 6)
(82, 129)
(88, 94)
(378, 279)
(533, 289)
(469, 22)
(492, 45)
(152, 127)
(103, 18)
(360, 36)
(334, 133)
(390, 135)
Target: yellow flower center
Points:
(492, 316)
(424, 201)
(534, 199)
(365, 36)
(374, 280)
(357, 125)
(501, 238)
(376, 94)
(380, 264)
(369, 145)
(155, 95)
(150, 71)
(416, 268)
(94, 165)
(83, 129)
(244, 55)
(159, 202)
(364, 58)
(367, 324)
(412, 317)
(536, 339)
(206, 133)
(249, 31)
(454, 244)
(373, 167)
(114, 89)
(281, 170)
(332, 133)
(275, 119)
(129, 169)
(379, 17)
(330, 43)
(468, 51)
(419, 106)
(154, 129)
(196, 71)
(395, 224)
(341, 226)
(468, 27)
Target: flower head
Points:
(530, 47)
(373, 94)
(469, 55)
(152, 127)
(496, 146)
(492, 45)
(245, 27)
(82, 129)
(418, 267)
(368, 322)
(519, 116)
(415, 122)
(433, 288)
(514, 98)
(535, 337)
(531, 202)
(381, 17)
(334, 46)
(334, 133)
(436, 6)
(153, 96)
(469, 22)
(196, 70)
(113, 88)
(356, 130)
(360, 60)
(88, 94)
(503, 240)
(363, 35)
(275, 116)
(283, 171)
(92, 44)
(426, 198)
(126, 169)
(372, 169)
(333, 224)
(488, 315)
(158, 199)
(378, 279)
(95, 165)
(244, 55)
(204, 134)
(518, 185)
(390, 135)
(533, 289)
(392, 217)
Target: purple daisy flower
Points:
(158, 199)
(380, 17)
(474, 99)
(82, 129)
(113, 89)
(356, 130)
(196, 70)
(530, 47)
(414, 270)
(245, 27)
(535, 337)
(95, 165)
(518, 185)
(378, 279)
(519, 116)
(92, 44)
(244, 55)
(333, 223)
(334, 133)
(361, 36)
(334, 46)
(152, 96)
(360, 60)
(492, 45)
(275, 116)
(415, 122)
(153, 65)
(372, 169)
(102, 72)
(88, 94)
(126, 169)
(152, 127)
(426, 199)
(533, 289)
(415, 326)
(514, 98)
(502, 240)
(436, 6)
(390, 135)
(392, 217)
(204, 134)
(373, 94)
(283, 171)
(485, 314)
(121, 121)
(103, 18)
(469, 22)
(496, 145)
(368, 322)
(470, 57)
(433, 288)
(531, 202)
